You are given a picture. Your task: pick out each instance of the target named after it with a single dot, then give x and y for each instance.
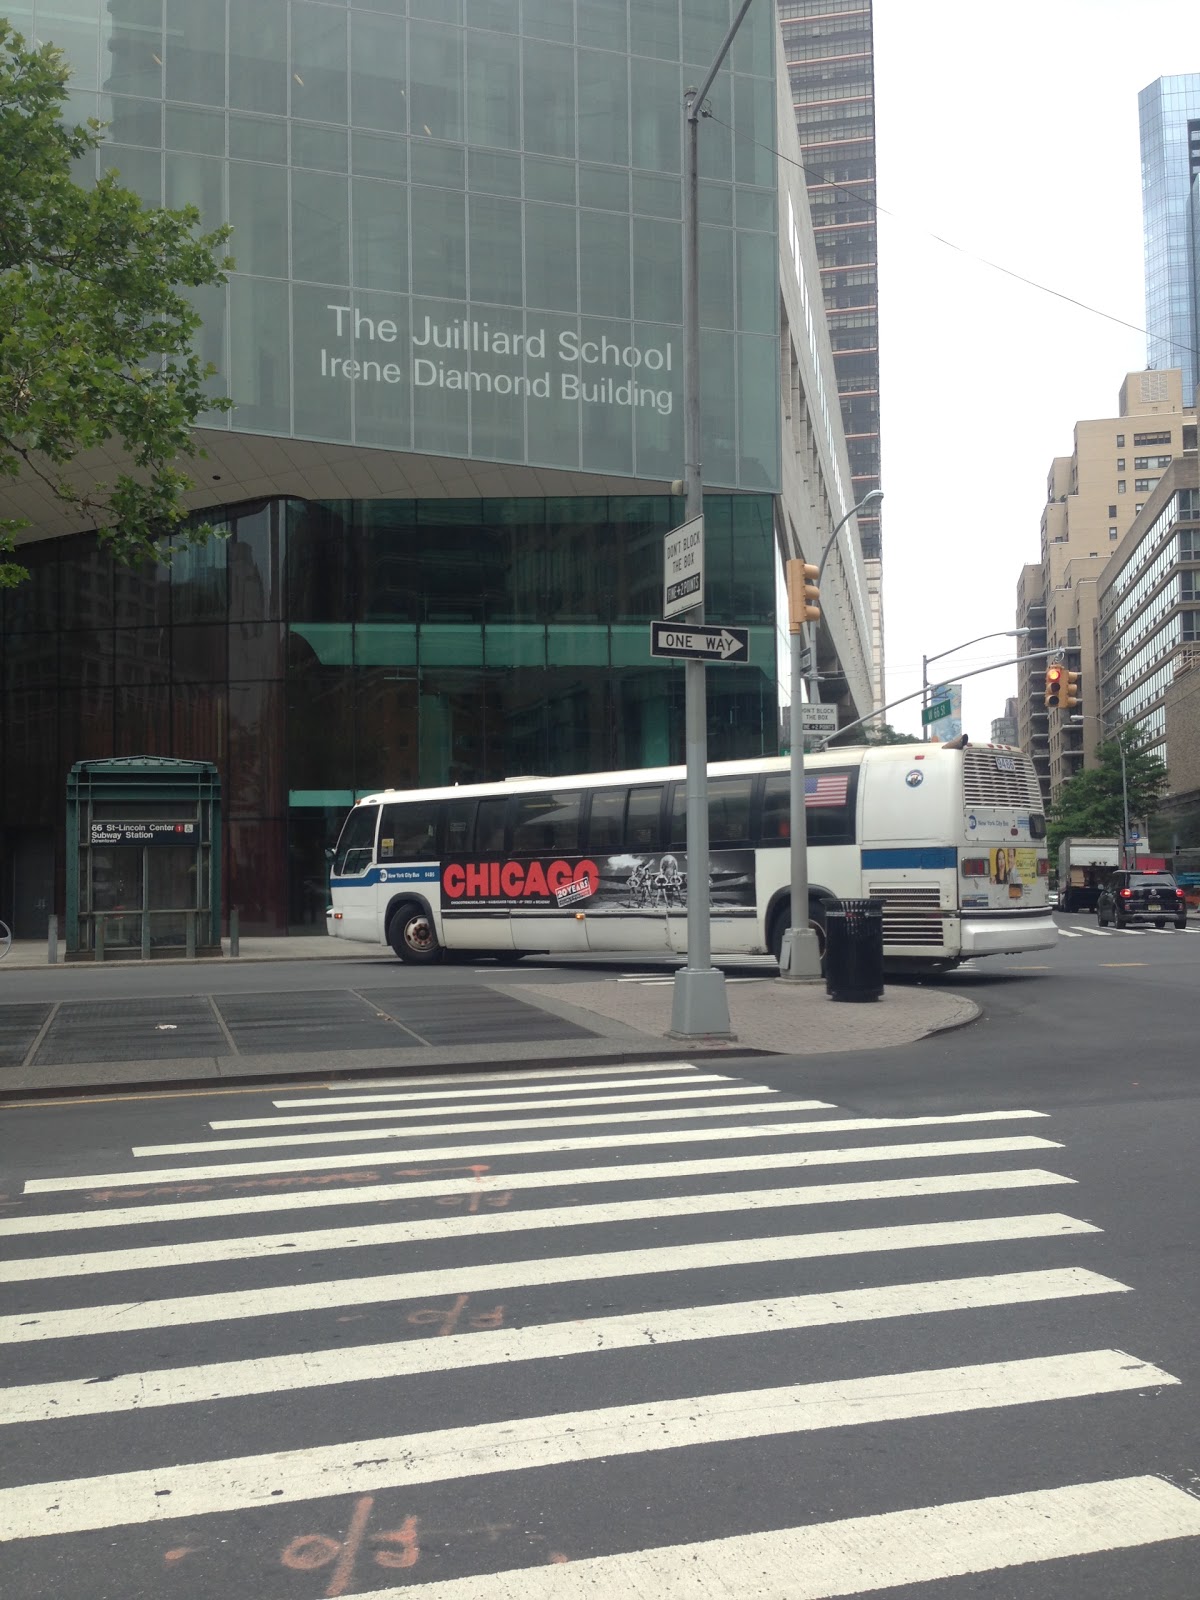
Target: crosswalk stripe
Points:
(554, 1145)
(484, 1183)
(1097, 933)
(688, 1113)
(262, 1246)
(688, 1097)
(860, 1555)
(188, 1310)
(313, 1369)
(679, 1080)
(362, 1466)
(1064, 933)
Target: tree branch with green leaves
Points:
(96, 328)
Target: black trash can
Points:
(854, 950)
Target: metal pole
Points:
(700, 1008)
(52, 933)
(800, 956)
(1124, 804)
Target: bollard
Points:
(99, 938)
(234, 944)
(145, 936)
(52, 940)
(191, 934)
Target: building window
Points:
(1120, 463)
(1120, 441)
(1120, 485)
(1143, 485)
(1139, 506)
(1151, 438)
(1112, 511)
(1112, 535)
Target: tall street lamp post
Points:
(800, 956)
(699, 1005)
(1124, 793)
(1003, 633)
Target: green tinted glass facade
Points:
(318, 650)
(457, 222)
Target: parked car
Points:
(1141, 897)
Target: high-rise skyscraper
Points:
(1169, 121)
(830, 61)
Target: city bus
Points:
(952, 841)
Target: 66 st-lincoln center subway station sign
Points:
(471, 354)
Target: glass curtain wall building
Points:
(830, 56)
(453, 337)
(1169, 119)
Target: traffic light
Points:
(1071, 690)
(804, 598)
(1056, 683)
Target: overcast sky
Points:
(1013, 132)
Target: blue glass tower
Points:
(1169, 120)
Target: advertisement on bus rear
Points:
(654, 881)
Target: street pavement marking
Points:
(262, 1246)
(190, 1310)
(689, 1097)
(679, 1079)
(363, 1466)
(1097, 933)
(1065, 933)
(689, 1113)
(860, 1555)
(1108, 965)
(554, 1145)
(480, 1185)
(315, 1369)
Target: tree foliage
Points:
(95, 326)
(1091, 804)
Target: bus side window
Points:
(729, 810)
(408, 832)
(777, 809)
(459, 825)
(643, 818)
(490, 826)
(606, 825)
(546, 823)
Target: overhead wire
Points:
(814, 176)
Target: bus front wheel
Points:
(412, 936)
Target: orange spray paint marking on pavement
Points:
(449, 1319)
(311, 1552)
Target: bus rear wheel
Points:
(412, 936)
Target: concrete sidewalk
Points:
(599, 1018)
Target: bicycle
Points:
(5, 940)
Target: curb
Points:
(190, 1086)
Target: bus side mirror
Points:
(329, 852)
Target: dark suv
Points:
(1141, 897)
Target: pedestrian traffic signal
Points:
(1056, 683)
(1071, 690)
(804, 597)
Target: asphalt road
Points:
(487, 1345)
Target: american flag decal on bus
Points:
(825, 789)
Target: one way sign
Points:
(700, 644)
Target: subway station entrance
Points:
(143, 859)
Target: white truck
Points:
(1083, 865)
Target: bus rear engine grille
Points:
(985, 785)
(910, 915)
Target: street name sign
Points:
(818, 719)
(683, 567)
(718, 644)
(936, 712)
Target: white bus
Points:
(951, 840)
